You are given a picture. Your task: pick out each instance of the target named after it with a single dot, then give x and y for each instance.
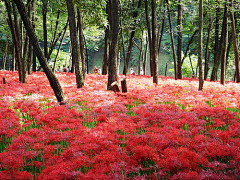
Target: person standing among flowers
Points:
(95, 70)
(99, 70)
(132, 71)
(141, 71)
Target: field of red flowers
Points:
(165, 131)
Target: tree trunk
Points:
(141, 53)
(224, 45)
(200, 46)
(74, 43)
(235, 46)
(216, 46)
(228, 48)
(172, 40)
(34, 62)
(112, 68)
(86, 54)
(166, 70)
(25, 50)
(154, 43)
(106, 52)
(9, 60)
(161, 35)
(206, 67)
(81, 42)
(122, 36)
(145, 56)
(29, 62)
(188, 46)
(30, 49)
(34, 40)
(44, 14)
(16, 34)
(135, 14)
(13, 58)
(60, 45)
(5, 54)
(106, 43)
(179, 49)
(149, 36)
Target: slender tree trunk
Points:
(61, 41)
(154, 43)
(29, 58)
(206, 67)
(135, 14)
(106, 52)
(191, 63)
(228, 48)
(13, 58)
(225, 42)
(56, 27)
(74, 43)
(54, 42)
(216, 46)
(25, 50)
(9, 61)
(34, 40)
(86, 54)
(141, 53)
(235, 46)
(161, 35)
(81, 42)
(29, 62)
(145, 56)
(106, 45)
(149, 36)
(45, 38)
(172, 41)
(112, 68)
(179, 49)
(122, 36)
(17, 42)
(34, 62)
(188, 46)
(200, 46)
(5, 54)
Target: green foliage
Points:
(91, 124)
(187, 68)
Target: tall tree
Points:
(200, 46)
(106, 43)
(74, 43)
(81, 41)
(34, 61)
(207, 53)
(179, 47)
(15, 36)
(234, 39)
(225, 42)
(34, 41)
(154, 49)
(172, 39)
(149, 35)
(135, 14)
(112, 68)
(216, 46)
(45, 38)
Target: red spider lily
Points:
(169, 131)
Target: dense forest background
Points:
(132, 18)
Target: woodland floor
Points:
(165, 131)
